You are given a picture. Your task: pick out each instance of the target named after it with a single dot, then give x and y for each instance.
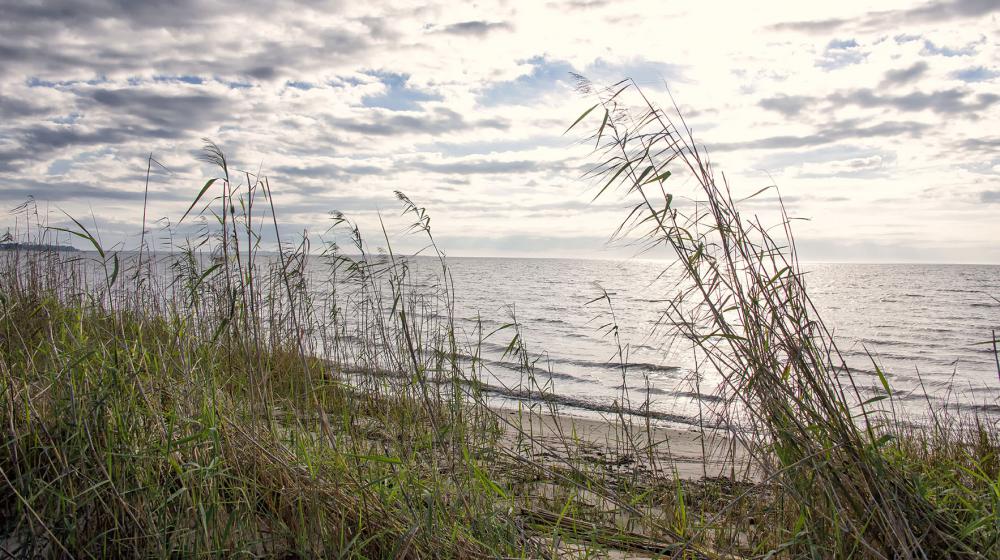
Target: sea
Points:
(927, 327)
(594, 333)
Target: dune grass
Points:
(319, 401)
(854, 480)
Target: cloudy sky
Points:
(880, 127)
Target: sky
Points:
(879, 125)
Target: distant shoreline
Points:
(37, 247)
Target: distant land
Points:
(36, 247)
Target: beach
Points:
(689, 454)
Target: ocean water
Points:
(924, 325)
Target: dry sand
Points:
(690, 453)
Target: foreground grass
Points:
(126, 439)
(221, 403)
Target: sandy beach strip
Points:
(691, 453)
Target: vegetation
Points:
(222, 401)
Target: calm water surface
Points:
(922, 323)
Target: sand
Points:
(690, 453)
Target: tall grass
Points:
(853, 481)
(320, 401)
(205, 407)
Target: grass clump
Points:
(131, 438)
(851, 478)
(200, 404)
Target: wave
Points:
(630, 366)
(647, 390)
(547, 321)
(595, 406)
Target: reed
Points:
(844, 467)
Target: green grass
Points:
(221, 402)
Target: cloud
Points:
(980, 145)
(115, 39)
(941, 11)
(840, 53)
(183, 111)
(862, 167)
(132, 114)
(834, 132)
(39, 142)
(990, 197)
(182, 13)
(932, 12)
(842, 44)
(788, 105)
(525, 243)
(323, 199)
(854, 250)
(14, 108)
(932, 49)
(329, 171)
(390, 123)
(475, 28)
(645, 72)
(906, 75)
(950, 102)
(62, 191)
(542, 78)
(815, 26)
(829, 156)
(398, 94)
(580, 4)
(975, 74)
(467, 147)
(945, 102)
(485, 166)
(547, 76)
